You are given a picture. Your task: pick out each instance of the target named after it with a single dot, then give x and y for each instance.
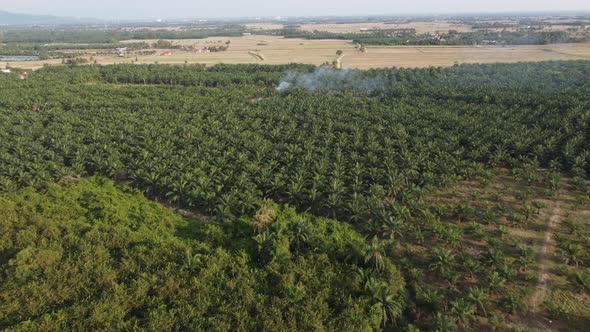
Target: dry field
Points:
(421, 27)
(278, 50)
(264, 26)
(406, 56)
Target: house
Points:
(6, 71)
(167, 53)
(23, 75)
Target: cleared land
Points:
(421, 27)
(279, 50)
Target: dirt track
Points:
(542, 290)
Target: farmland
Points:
(279, 50)
(420, 27)
(377, 43)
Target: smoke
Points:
(284, 86)
(330, 79)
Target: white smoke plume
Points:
(330, 79)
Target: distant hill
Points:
(7, 18)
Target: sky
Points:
(134, 9)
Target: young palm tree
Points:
(392, 228)
(462, 310)
(572, 253)
(444, 323)
(375, 253)
(432, 298)
(388, 305)
(496, 281)
(472, 266)
(479, 298)
(442, 260)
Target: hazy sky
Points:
(218, 8)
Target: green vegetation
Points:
(87, 256)
(88, 35)
(200, 138)
(439, 185)
(36, 49)
(410, 37)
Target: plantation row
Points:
(445, 175)
(221, 139)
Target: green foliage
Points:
(410, 37)
(263, 169)
(83, 35)
(582, 279)
(221, 139)
(92, 255)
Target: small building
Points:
(6, 71)
(166, 53)
(23, 75)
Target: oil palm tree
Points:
(389, 307)
(442, 260)
(479, 298)
(462, 311)
(375, 253)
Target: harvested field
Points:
(279, 50)
(405, 56)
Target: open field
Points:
(405, 56)
(279, 50)
(421, 27)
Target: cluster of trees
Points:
(92, 256)
(409, 37)
(222, 141)
(46, 51)
(89, 35)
